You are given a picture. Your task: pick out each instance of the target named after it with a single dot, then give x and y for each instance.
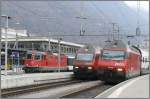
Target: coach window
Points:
(61, 49)
(3, 45)
(72, 50)
(69, 50)
(52, 48)
(11, 45)
(64, 49)
(75, 50)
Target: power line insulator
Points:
(138, 31)
(82, 32)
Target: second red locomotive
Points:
(85, 60)
(44, 61)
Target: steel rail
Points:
(33, 88)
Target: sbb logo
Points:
(119, 64)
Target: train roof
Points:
(39, 52)
(145, 52)
(115, 44)
(89, 49)
(44, 39)
(120, 45)
(70, 56)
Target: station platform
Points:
(133, 88)
(12, 72)
(23, 79)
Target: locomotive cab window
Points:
(113, 55)
(29, 56)
(84, 57)
(38, 57)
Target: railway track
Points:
(61, 89)
(90, 92)
(34, 88)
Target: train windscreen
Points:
(84, 57)
(113, 55)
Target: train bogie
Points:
(84, 72)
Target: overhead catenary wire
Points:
(104, 16)
(138, 13)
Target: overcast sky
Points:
(144, 5)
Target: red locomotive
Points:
(85, 60)
(118, 62)
(44, 61)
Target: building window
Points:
(62, 49)
(67, 50)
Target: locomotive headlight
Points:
(76, 67)
(119, 69)
(89, 67)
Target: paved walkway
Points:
(12, 72)
(10, 81)
(133, 88)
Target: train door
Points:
(43, 60)
(70, 60)
(129, 67)
(38, 60)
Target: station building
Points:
(22, 41)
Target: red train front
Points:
(44, 61)
(118, 62)
(84, 63)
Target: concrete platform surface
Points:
(133, 88)
(12, 72)
(11, 81)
